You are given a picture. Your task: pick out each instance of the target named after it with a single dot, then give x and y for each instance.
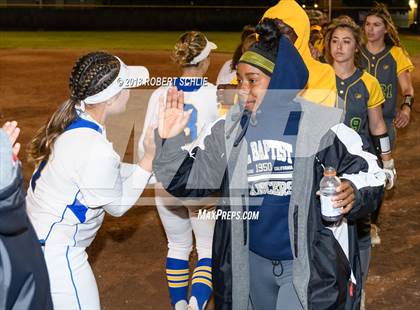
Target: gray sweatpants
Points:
(271, 284)
(364, 263)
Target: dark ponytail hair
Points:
(91, 74)
(269, 35)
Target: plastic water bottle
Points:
(328, 186)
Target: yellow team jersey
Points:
(402, 59)
(376, 97)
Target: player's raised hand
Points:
(13, 131)
(172, 117)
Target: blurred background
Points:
(41, 39)
(173, 14)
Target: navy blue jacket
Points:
(24, 282)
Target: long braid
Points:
(91, 74)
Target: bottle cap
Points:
(330, 172)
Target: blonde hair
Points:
(188, 46)
(344, 21)
(91, 74)
(391, 36)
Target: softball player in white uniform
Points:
(192, 54)
(79, 176)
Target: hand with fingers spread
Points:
(172, 117)
(345, 197)
(13, 131)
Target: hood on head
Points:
(289, 77)
(295, 16)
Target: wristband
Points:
(408, 101)
(382, 144)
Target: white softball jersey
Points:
(66, 201)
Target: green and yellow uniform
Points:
(358, 93)
(386, 66)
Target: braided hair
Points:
(188, 46)
(91, 74)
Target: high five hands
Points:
(172, 117)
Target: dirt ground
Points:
(128, 254)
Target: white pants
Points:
(72, 282)
(179, 222)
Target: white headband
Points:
(204, 53)
(128, 77)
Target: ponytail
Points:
(91, 74)
(41, 145)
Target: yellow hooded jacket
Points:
(321, 87)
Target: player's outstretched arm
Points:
(193, 172)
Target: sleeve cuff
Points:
(407, 68)
(140, 177)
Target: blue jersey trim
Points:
(78, 209)
(37, 174)
(75, 233)
(43, 241)
(71, 276)
(77, 123)
(83, 123)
